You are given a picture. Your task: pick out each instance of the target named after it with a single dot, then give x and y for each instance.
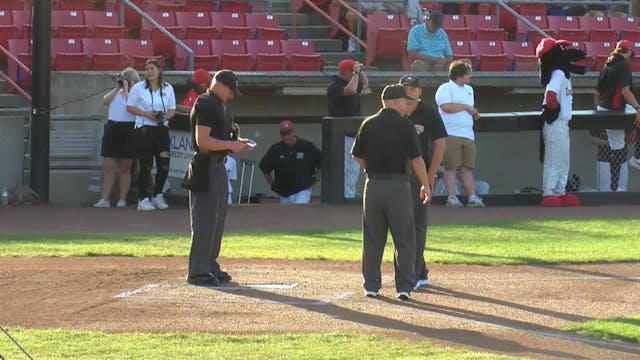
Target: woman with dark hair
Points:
(153, 102)
(118, 141)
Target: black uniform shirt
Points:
(339, 104)
(613, 77)
(387, 141)
(434, 129)
(294, 167)
(211, 112)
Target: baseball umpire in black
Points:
(211, 121)
(387, 148)
(432, 134)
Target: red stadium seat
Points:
(563, 22)
(523, 29)
(8, 30)
(507, 21)
(522, 54)
(20, 48)
(475, 22)
(600, 51)
(266, 27)
(76, 5)
(631, 35)
(620, 23)
(104, 24)
(104, 54)
(68, 55)
(462, 50)
(8, 5)
(491, 34)
(573, 34)
(453, 22)
(69, 24)
(533, 9)
(301, 56)
(137, 52)
(170, 6)
(231, 25)
(201, 6)
(463, 34)
(490, 55)
(202, 56)
(267, 55)
(386, 37)
(162, 44)
(234, 7)
(594, 22)
(534, 37)
(197, 24)
(132, 19)
(164, 18)
(609, 35)
(233, 54)
(22, 18)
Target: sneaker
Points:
(475, 202)
(159, 203)
(206, 280)
(423, 282)
(453, 202)
(145, 205)
(371, 294)
(121, 204)
(352, 47)
(634, 162)
(404, 296)
(102, 203)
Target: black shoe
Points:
(222, 276)
(206, 280)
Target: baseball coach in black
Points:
(388, 149)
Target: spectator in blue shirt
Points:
(428, 45)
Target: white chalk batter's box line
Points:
(549, 278)
(138, 294)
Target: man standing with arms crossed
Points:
(387, 147)
(432, 134)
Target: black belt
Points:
(388, 176)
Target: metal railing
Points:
(13, 84)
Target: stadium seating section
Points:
(87, 35)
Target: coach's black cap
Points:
(228, 79)
(410, 80)
(395, 91)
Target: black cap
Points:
(436, 18)
(410, 80)
(228, 79)
(395, 91)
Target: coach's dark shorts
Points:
(119, 140)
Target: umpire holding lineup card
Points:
(211, 123)
(387, 148)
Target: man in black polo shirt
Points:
(296, 166)
(211, 131)
(432, 134)
(613, 93)
(387, 148)
(344, 100)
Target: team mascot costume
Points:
(557, 59)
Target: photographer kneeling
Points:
(154, 103)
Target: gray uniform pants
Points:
(208, 213)
(387, 206)
(421, 220)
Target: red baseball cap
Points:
(625, 44)
(286, 126)
(346, 64)
(547, 43)
(201, 76)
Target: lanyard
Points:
(161, 98)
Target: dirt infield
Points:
(516, 310)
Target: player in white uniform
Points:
(557, 61)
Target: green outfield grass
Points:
(507, 242)
(624, 328)
(91, 345)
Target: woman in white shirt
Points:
(118, 140)
(153, 102)
(456, 106)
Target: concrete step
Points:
(280, 6)
(327, 45)
(286, 19)
(11, 101)
(331, 59)
(309, 31)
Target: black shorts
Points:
(152, 140)
(119, 140)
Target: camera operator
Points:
(118, 141)
(153, 102)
